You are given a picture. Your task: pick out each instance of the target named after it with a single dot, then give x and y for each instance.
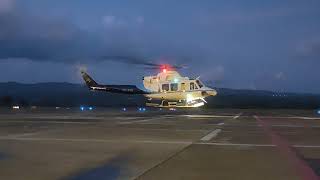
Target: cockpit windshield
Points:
(199, 83)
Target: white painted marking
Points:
(49, 122)
(255, 145)
(307, 118)
(127, 118)
(132, 122)
(65, 117)
(290, 117)
(21, 135)
(307, 146)
(146, 142)
(237, 116)
(211, 135)
(142, 121)
(235, 144)
(163, 129)
(95, 140)
(204, 116)
(70, 117)
(292, 126)
(220, 124)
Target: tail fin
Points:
(89, 81)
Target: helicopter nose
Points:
(210, 92)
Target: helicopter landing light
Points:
(189, 98)
(198, 104)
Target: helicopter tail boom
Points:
(88, 80)
(123, 89)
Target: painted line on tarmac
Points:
(300, 165)
(290, 117)
(144, 121)
(50, 122)
(127, 118)
(132, 122)
(20, 135)
(205, 116)
(220, 124)
(146, 142)
(306, 146)
(235, 144)
(94, 140)
(293, 126)
(72, 117)
(65, 117)
(254, 145)
(174, 130)
(306, 118)
(211, 135)
(237, 116)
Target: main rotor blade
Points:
(138, 61)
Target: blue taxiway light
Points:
(124, 109)
(318, 111)
(141, 109)
(90, 108)
(82, 108)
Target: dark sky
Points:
(271, 45)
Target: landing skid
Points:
(171, 104)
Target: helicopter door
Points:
(183, 86)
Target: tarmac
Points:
(245, 144)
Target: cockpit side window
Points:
(165, 87)
(199, 83)
(174, 86)
(192, 86)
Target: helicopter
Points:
(166, 89)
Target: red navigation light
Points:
(164, 70)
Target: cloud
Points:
(234, 16)
(24, 35)
(309, 50)
(280, 76)
(140, 19)
(6, 6)
(215, 73)
(111, 21)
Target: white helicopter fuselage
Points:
(171, 86)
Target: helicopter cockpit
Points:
(171, 81)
